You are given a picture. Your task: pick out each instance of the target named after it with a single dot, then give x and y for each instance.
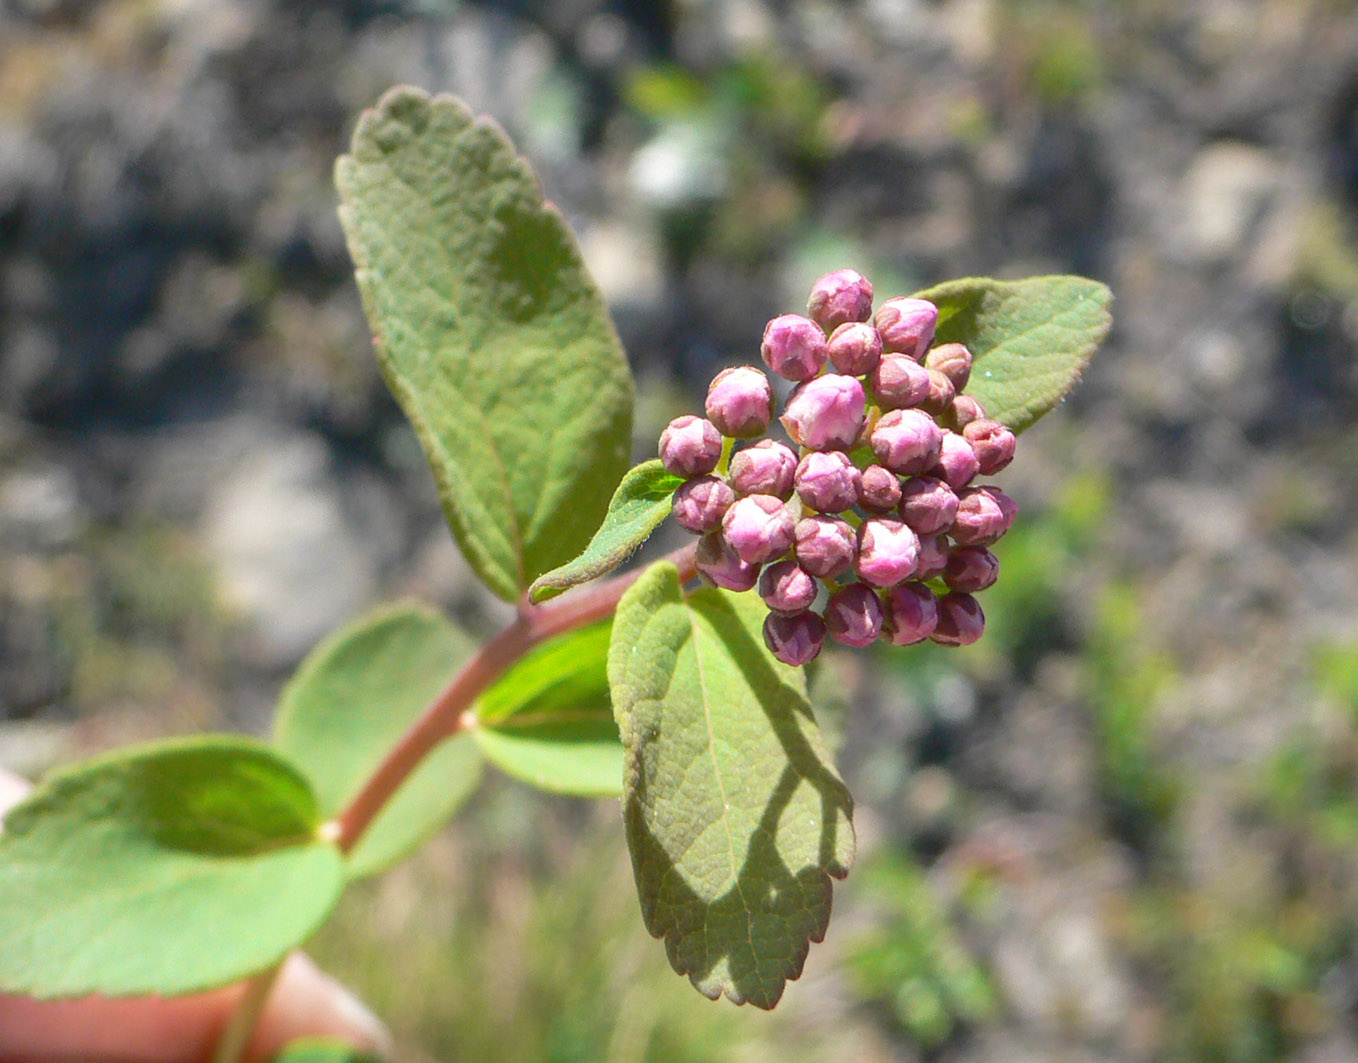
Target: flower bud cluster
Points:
(873, 527)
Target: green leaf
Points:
(166, 869)
(349, 702)
(323, 1050)
(490, 333)
(640, 503)
(735, 815)
(1030, 339)
(548, 720)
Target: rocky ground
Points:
(1136, 805)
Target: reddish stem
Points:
(449, 712)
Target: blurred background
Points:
(1123, 827)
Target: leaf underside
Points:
(489, 331)
(1030, 339)
(736, 818)
(641, 502)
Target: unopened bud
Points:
(983, 515)
(855, 348)
(993, 442)
(971, 569)
(928, 505)
(828, 481)
(740, 402)
(900, 382)
(767, 468)
(907, 441)
(888, 552)
(787, 588)
(794, 347)
(825, 546)
(957, 462)
(853, 615)
(842, 296)
(796, 639)
(879, 489)
(953, 360)
(965, 409)
(911, 614)
(758, 528)
(719, 565)
(933, 556)
(907, 325)
(826, 413)
(700, 503)
(960, 620)
(690, 446)
(941, 393)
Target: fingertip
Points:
(306, 1002)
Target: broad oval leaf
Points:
(349, 702)
(165, 869)
(641, 502)
(548, 721)
(323, 1050)
(1030, 339)
(490, 333)
(735, 815)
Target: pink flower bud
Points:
(794, 640)
(719, 565)
(983, 515)
(794, 347)
(933, 556)
(879, 489)
(700, 503)
(907, 325)
(825, 546)
(758, 528)
(740, 402)
(826, 413)
(888, 552)
(953, 360)
(828, 481)
(941, 394)
(853, 615)
(957, 463)
(993, 442)
(965, 409)
(900, 382)
(690, 446)
(911, 614)
(788, 588)
(767, 468)
(842, 296)
(960, 620)
(971, 569)
(855, 348)
(928, 505)
(907, 441)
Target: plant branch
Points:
(449, 712)
(241, 1025)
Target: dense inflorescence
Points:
(873, 527)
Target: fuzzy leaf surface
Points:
(1030, 339)
(641, 502)
(736, 817)
(548, 721)
(349, 702)
(166, 869)
(490, 333)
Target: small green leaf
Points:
(640, 503)
(1030, 339)
(349, 702)
(735, 815)
(548, 720)
(323, 1050)
(490, 333)
(166, 869)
